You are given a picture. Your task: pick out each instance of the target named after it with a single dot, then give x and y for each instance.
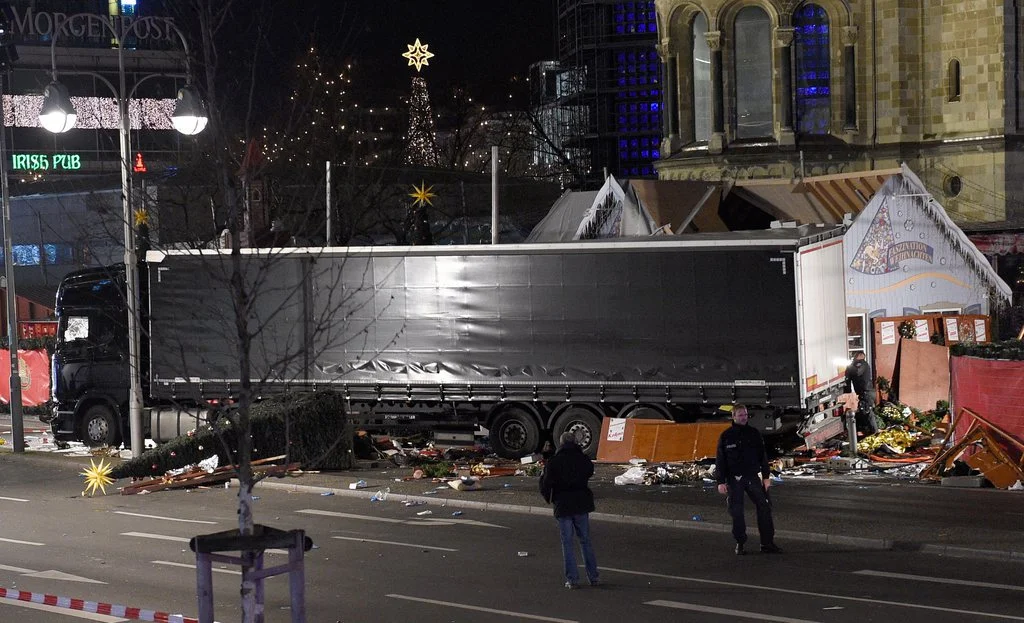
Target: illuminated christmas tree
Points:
(422, 146)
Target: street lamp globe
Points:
(57, 114)
(189, 116)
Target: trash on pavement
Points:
(632, 476)
(359, 484)
(524, 554)
(665, 474)
(465, 483)
(424, 513)
(381, 495)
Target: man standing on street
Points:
(564, 483)
(741, 467)
(858, 378)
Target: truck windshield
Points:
(91, 316)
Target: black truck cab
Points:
(89, 376)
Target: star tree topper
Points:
(422, 194)
(418, 54)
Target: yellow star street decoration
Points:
(418, 54)
(97, 477)
(422, 194)
(141, 217)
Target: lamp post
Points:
(58, 115)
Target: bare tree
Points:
(267, 344)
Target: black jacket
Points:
(740, 453)
(858, 377)
(564, 482)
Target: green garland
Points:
(1009, 349)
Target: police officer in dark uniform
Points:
(741, 468)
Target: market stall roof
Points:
(564, 217)
(682, 206)
(821, 199)
(633, 207)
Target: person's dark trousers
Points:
(866, 418)
(753, 488)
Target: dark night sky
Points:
(480, 44)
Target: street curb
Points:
(697, 525)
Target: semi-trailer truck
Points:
(524, 340)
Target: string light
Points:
(422, 147)
(94, 113)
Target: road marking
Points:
(452, 604)
(314, 511)
(58, 610)
(213, 523)
(49, 575)
(181, 564)
(925, 578)
(21, 542)
(181, 539)
(159, 537)
(60, 575)
(349, 538)
(427, 521)
(733, 613)
(12, 499)
(790, 591)
(16, 569)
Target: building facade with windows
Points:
(66, 188)
(608, 92)
(770, 89)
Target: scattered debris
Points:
(199, 476)
(986, 447)
(665, 474)
(465, 483)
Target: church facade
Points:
(785, 90)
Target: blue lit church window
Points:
(635, 18)
(813, 70)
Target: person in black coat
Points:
(859, 380)
(741, 467)
(564, 484)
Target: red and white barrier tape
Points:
(138, 614)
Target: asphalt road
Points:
(382, 561)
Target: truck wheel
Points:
(99, 427)
(585, 424)
(514, 433)
(644, 412)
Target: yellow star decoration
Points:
(422, 194)
(97, 477)
(418, 54)
(141, 217)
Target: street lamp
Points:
(58, 115)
